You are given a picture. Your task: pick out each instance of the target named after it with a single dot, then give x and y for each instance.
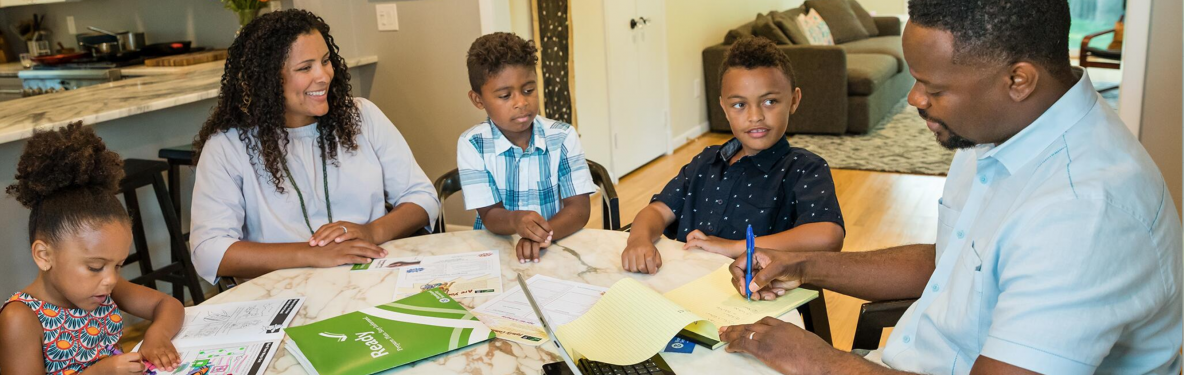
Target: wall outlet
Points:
(388, 17)
(698, 88)
(70, 25)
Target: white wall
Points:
(693, 25)
(1160, 130)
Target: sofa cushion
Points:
(866, 72)
(787, 22)
(844, 25)
(884, 45)
(737, 33)
(763, 27)
(865, 18)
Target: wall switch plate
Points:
(388, 17)
(70, 25)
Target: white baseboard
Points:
(689, 135)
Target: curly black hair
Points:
(1002, 31)
(68, 179)
(489, 54)
(252, 98)
(757, 52)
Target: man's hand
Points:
(530, 225)
(641, 256)
(341, 231)
(781, 346)
(335, 254)
(773, 273)
(713, 244)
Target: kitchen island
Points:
(136, 117)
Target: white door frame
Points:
(1136, 41)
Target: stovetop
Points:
(90, 63)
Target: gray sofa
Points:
(846, 88)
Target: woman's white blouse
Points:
(234, 200)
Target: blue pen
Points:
(750, 245)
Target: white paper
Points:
(460, 275)
(236, 359)
(386, 264)
(511, 316)
(233, 338)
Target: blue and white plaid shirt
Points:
(493, 170)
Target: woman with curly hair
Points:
(292, 171)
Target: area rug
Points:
(900, 143)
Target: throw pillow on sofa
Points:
(787, 22)
(844, 25)
(763, 27)
(815, 28)
(865, 18)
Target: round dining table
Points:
(590, 256)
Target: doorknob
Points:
(640, 21)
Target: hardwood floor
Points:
(881, 210)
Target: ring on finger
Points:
(750, 336)
(345, 229)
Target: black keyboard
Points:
(655, 366)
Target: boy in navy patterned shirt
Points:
(524, 174)
(785, 193)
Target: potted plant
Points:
(246, 10)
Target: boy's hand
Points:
(641, 256)
(528, 251)
(713, 244)
(129, 363)
(159, 351)
(530, 225)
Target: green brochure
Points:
(386, 336)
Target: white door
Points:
(637, 84)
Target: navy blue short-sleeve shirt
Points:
(778, 189)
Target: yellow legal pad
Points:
(632, 322)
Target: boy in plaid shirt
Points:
(524, 174)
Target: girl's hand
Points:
(159, 351)
(340, 231)
(129, 363)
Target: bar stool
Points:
(179, 272)
(177, 156)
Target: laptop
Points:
(655, 365)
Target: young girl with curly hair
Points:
(68, 320)
(292, 170)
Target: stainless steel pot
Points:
(128, 41)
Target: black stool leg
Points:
(179, 252)
(142, 255)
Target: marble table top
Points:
(589, 256)
(113, 100)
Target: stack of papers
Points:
(460, 275)
(512, 318)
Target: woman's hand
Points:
(341, 253)
(158, 350)
(341, 231)
(713, 244)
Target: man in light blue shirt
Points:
(1058, 246)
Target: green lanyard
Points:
(325, 178)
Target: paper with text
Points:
(512, 318)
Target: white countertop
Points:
(10, 69)
(158, 89)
